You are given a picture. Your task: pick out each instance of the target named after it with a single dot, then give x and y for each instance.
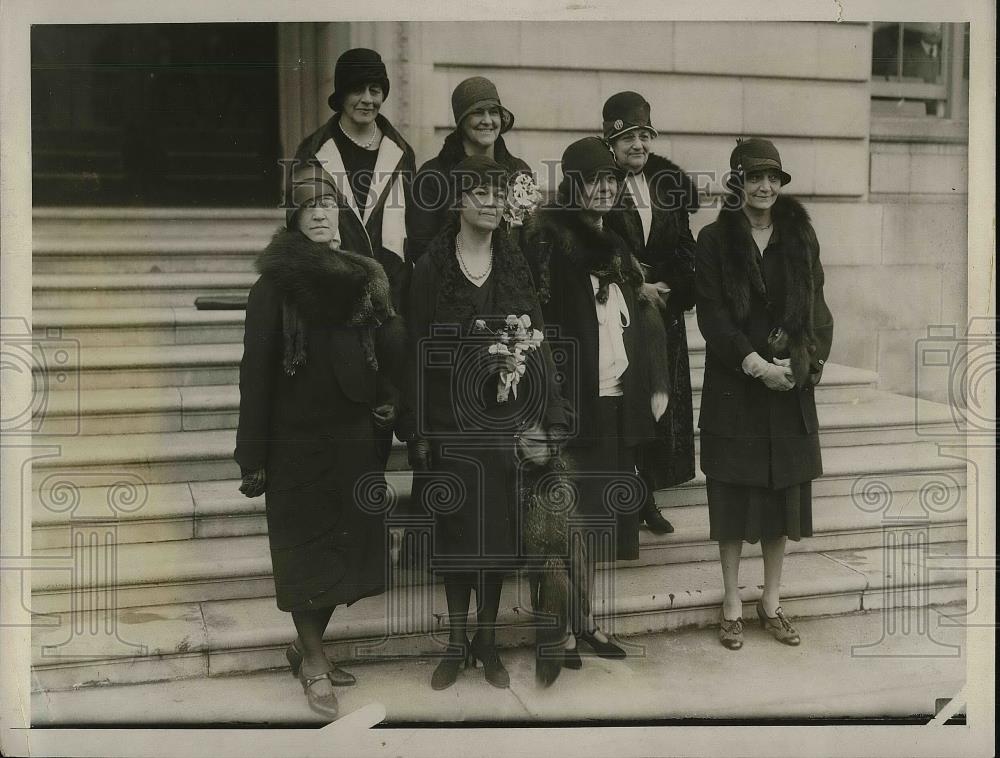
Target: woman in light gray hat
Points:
(481, 120)
(768, 332)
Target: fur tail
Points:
(551, 602)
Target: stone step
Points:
(129, 367)
(679, 674)
(231, 636)
(153, 240)
(69, 223)
(133, 327)
(199, 454)
(898, 476)
(134, 290)
(189, 569)
(71, 366)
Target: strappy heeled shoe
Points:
(731, 632)
(778, 625)
(455, 658)
(493, 667)
(338, 676)
(325, 705)
(603, 649)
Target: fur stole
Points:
(670, 188)
(557, 232)
(546, 499)
(511, 279)
(797, 245)
(324, 286)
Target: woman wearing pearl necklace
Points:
(460, 434)
(369, 163)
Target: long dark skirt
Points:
(472, 492)
(327, 538)
(611, 495)
(744, 512)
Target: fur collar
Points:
(672, 188)
(797, 247)
(558, 232)
(511, 278)
(327, 286)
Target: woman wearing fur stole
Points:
(592, 291)
(481, 374)
(654, 205)
(768, 333)
(321, 335)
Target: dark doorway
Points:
(155, 114)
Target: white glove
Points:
(776, 376)
(658, 404)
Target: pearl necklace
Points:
(465, 267)
(761, 228)
(367, 145)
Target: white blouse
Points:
(612, 320)
(638, 187)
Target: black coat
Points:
(431, 195)
(562, 251)
(367, 237)
(752, 435)
(452, 393)
(668, 256)
(290, 422)
(308, 381)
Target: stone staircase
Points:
(153, 567)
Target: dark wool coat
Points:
(752, 435)
(366, 236)
(309, 426)
(426, 214)
(668, 256)
(453, 403)
(562, 251)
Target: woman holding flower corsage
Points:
(480, 374)
(592, 290)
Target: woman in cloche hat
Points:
(656, 200)
(462, 429)
(321, 336)
(591, 290)
(481, 120)
(768, 333)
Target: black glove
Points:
(418, 454)
(253, 483)
(384, 416)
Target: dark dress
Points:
(759, 447)
(474, 473)
(313, 434)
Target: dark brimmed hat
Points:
(625, 111)
(587, 158)
(356, 68)
(476, 171)
(476, 93)
(756, 154)
(306, 186)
